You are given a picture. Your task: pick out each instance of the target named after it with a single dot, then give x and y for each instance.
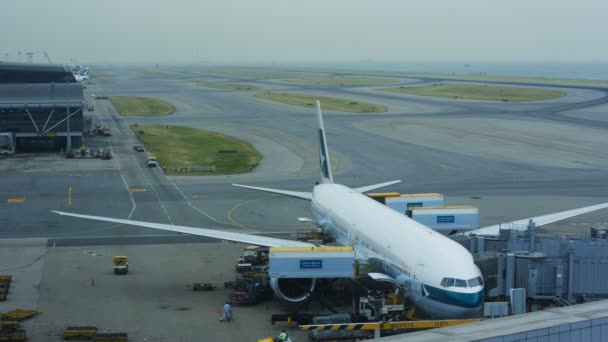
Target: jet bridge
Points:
(554, 270)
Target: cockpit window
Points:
(477, 281)
(447, 282)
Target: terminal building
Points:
(41, 107)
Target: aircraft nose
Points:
(468, 300)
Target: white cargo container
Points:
(401, 202)
(312, 262)
(446, 220)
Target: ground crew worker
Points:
(227, 313)
(283, 336)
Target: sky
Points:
(311, 31)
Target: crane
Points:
(48, 59)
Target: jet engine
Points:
(293, 289)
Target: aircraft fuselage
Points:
(415, 256)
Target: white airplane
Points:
(80, 73)
(436, 273)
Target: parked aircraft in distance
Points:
(436, 273)
(80, 72)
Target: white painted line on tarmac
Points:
(197, 209)
(117, 163)
(162, 205)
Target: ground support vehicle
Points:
(315, 236)
(378, 309)
(9, 325)
(79, 333)
(253, 259)
(18, 315)
(249, 291)
(121, 264)
(152, 160)
(7, 143)
(273, 339)
(5, 284)
(13, 336)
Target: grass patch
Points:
(329, 103)
(474, 77)
(226, 85)
(176, 146)
(479, 92)
(141, 106)
(514, 79)
(345, 80)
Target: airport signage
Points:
(445, 219)
(311, 264)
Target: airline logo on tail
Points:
(323, 151)
(323, 156)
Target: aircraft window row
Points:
(450, 282)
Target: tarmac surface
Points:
(512, 160)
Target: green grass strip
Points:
(473, 77)
(328, 103)
(140, 106)
(479, 92)
(345, 80)
(180, 147)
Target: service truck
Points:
(7, 143)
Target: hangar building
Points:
(39, 105)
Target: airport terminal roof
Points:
(35, 73)
(541, 324)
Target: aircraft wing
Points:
(298, 194)
(367, 188)
(212, 233)
(538, 220)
